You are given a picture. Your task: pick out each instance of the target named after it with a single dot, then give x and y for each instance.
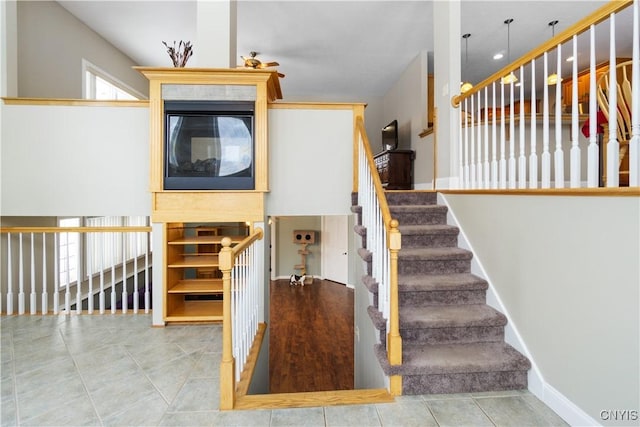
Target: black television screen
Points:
(390, 136)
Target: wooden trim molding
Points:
(74, 102)
(316, 106)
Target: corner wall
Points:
(566, 270)
(51, 45)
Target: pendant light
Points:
(509, 78)
(466, 86)
(553, 78)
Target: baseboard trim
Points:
(537, 385)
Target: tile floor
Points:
(118, 371)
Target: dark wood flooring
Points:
(310, 337)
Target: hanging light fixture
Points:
(553, 78)
(466, 86)
(509, 78)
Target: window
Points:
(93, 252)
(98, 84)
(68, 252)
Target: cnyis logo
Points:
(619, 415)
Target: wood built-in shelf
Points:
(197, 286)
(193, 281)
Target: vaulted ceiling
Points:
(335, 50)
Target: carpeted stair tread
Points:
(442, 282)
(428, 229)
(471, 357)
(395, 198)
(420, 359)
(450, 316)
(433, 254)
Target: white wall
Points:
(310, 162)
(406, 102)
(51, 46)
(566, 269)
(64, 160)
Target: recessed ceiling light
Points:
(498, 56)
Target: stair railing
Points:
(40, 279)
(485, 162)
(242, 280)
(383, 241)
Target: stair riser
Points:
(429, 240)
(420, 218)
(464, 383)
(453, 335)
(434, 266)
(420, 299)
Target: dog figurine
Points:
(295, 279)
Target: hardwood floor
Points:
(311, 337)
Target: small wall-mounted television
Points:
(390, 136)
(209, 145)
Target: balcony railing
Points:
(501, 143)
(109, 272)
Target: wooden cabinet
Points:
(192, 280)
(395, 168)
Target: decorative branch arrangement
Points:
(181, 55)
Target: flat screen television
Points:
(209, 145)
(390, 136)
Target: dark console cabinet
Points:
(395, 169)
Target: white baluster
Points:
(101, 295)
(575, 147)
(20, 276)
(67, 294)
(79, 278)
(466, 144)
(634, 143)
(613, 146)
(559, 154)
(9, 276)
(45, 295)
(460, 149)
(593, 155)
(125, 295)
(522, 159)
(136, 294)
(494, 142)
(512, 136)
(546, 156)
(503, 161)
(486, 168)
(56, 273)
(533, 156)
(90, 258)
(32, 297)
(472, 159)
(479, 156)
(147, 297)
(114, 248)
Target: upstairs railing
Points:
(243, 283)
(383, 241)
(107, 272)
(498, 141)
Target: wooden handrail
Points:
(257, 235)
(133, 229)
(578, 28)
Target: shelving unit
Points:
(193, 281)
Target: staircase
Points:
(452, 341)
